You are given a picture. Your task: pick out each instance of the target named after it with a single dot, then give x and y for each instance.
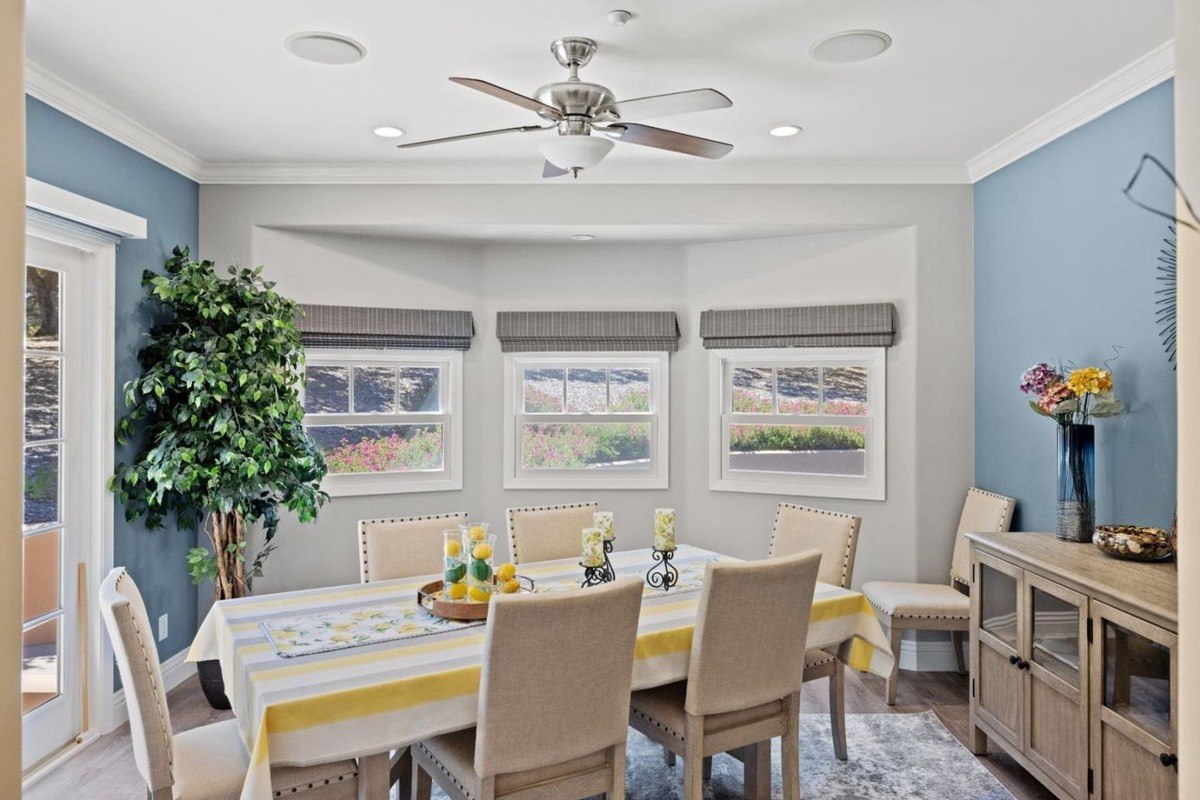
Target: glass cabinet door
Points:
(997, 678)
(1055, 624)
(998, 603)
(1137, 679)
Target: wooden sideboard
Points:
(1074, 665)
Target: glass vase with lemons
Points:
(454, 566)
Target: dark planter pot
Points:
(213, 684)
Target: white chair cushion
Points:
(211, 763)
(918, 600)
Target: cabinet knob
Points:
(1168, 759)
(1014, 660)
(1024, 664)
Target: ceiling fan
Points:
(578, 109)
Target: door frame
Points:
(97, 283)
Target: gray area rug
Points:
(891, 756)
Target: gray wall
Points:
(910, 245)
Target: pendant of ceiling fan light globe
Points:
(576, 152)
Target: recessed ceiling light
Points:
(618, 17)
(582, 237)
(786, 130)
(389, 131)
(325, 48)
(850, 46)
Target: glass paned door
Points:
(51, 531)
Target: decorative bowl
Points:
(1133, 542)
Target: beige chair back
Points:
(546, 533)
(403, 547)
(141, 675)
(983, 512)
(557, 671)
(835, 535)
(751, 628)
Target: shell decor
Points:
(1133, 542)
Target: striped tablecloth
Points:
(365, 700)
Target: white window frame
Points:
(658, 363)
(871, 486)
(449, 478)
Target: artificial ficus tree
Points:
(218, 417)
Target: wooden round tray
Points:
(429, 597)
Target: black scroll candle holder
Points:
(608, 567)
(594, 576)
(663, 575)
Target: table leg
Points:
(374, 776)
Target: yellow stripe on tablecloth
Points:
(309, 667)
(862, 653)
(828, 608)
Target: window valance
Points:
(385, 328)
(860, 325)
(562, 331)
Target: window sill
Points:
(358, 486)
(586, 482)
(798, 488)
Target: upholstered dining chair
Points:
(743, 685)
(835, 535)
(546, 533)
(940, 606)
(404, 546)
(205, 763)
(553, 701)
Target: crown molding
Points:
(54, 91)
(1126, 83)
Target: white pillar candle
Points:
(593, 547)
(664, 529)
(604, 521)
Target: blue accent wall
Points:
(1064, 268)
(66, 153)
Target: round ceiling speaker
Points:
(576, 152)
(325, 48)
(850, 46)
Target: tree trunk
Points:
(227, 533)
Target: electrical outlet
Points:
(162, 627)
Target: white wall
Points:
(915, 253)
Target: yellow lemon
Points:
(482, 550)
(340, 637)
(477, 533)
(457, 591)
(480, 594)
(511, 586)
(453, 548)
(506, 571)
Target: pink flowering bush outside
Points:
(422, 451)
(794, 438)
(579, 445)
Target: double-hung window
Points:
(799, 421)
(585, 420)
(387, 421)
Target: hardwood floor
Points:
(105, 769)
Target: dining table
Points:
(363, 670)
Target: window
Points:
(806, 421)
(586, 420)
(387, 421)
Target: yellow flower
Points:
(1090, 380)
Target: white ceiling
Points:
(214, 79)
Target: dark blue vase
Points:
(1076, 482)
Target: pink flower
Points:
(1053, 395)
(1039, 378)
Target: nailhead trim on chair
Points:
(659, 725)
(890, 615)
(326, 782)
(362, 533)
(442, 769)
(1009, 507)
(849, 540)
(512, 539)
(163, 726)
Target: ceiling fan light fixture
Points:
(576, 152)
(847, 47)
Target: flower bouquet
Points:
(1072, 400)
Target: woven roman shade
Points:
(385, 328)
(862, 325)
(558, 331)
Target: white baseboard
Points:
(175, 670)
(931, 656)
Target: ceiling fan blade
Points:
(461, 136)
(551, 171)
(663, 139)
(661, 105)
(508, 95)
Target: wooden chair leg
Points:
(401, 773)
(895, 634)
(956, 638)
(791, 749)
(756, 765)
(422, 784)
(162, 794)
(693, 759)
(837, 709)
(669, 756)
(374, 776)
(616, 758)
(707, 771)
